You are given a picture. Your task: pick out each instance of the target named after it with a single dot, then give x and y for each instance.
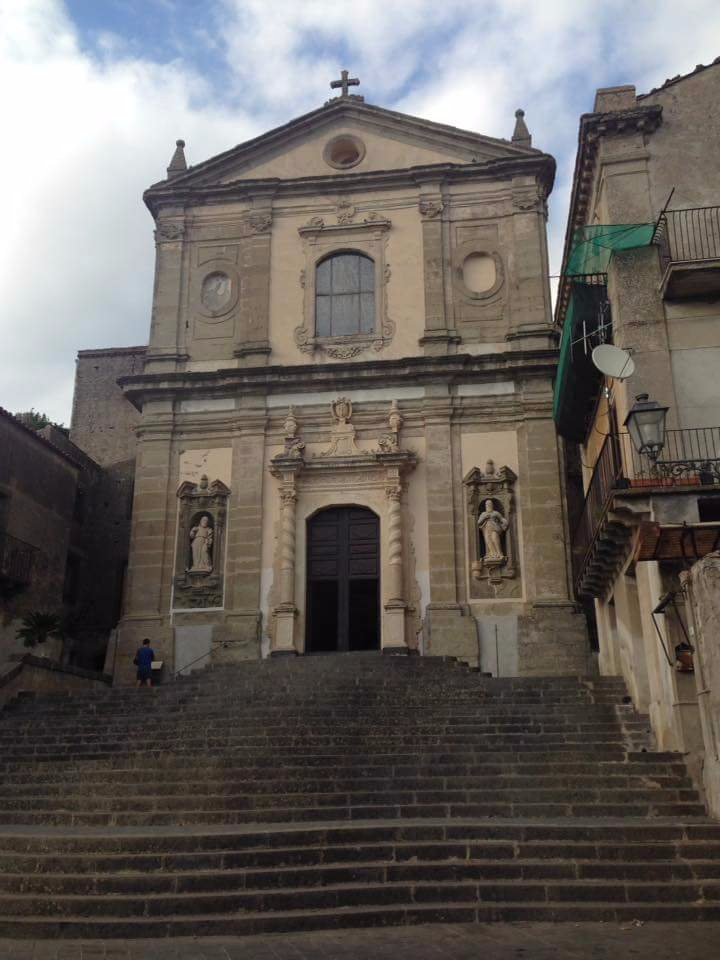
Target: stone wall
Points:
(38, 484)
(37, 675)
(702, 585)
(103, 425)
(103, 422)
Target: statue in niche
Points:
(492, 525)
(200, 553)
(201, 542)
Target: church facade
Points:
(345, 438)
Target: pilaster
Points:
(437, 337)
(164, 348)
(253, 344)
(244, 537)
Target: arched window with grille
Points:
(345, 295)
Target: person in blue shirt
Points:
(144, 660)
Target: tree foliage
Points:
(38, 627)
(35, 420)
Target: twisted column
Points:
(393, 493)
(288, 499)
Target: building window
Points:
(345, 295)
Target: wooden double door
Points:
(343, 581)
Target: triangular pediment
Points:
(386, 140)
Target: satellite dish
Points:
(613, 362)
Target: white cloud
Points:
(86, 131)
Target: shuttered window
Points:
(345, 295)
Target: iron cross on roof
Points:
(344, 83)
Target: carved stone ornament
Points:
(345, 210)
(390, 442)
(492, 525)
(199, 560)
(527, 200)
(342, 435)
(169, 231)
(430, 208)
(259, 222)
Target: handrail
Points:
(689, 458)
(176, 673)
(689, 235)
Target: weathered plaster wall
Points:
(703, 591)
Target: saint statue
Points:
(201, 541)
(492, 525)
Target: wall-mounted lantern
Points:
(646, 425)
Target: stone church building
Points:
(344, 416)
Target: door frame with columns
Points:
(376, 480)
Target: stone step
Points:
(564, 801)
(328, 835)
(298, 782)
(278, 922)
(325, 810)
(278, 876)
(342, 791)
(374, 892)
(615, 758)
(83, 732)
(52, 873)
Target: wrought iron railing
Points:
(689, 458)
(16, 560)
(689, 235)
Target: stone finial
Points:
(291, 423)
(521, 134)
(178, 164)
(395, 420)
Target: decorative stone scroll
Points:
(200, 556)
(492, 526)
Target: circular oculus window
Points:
(344, 151)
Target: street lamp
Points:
(646, 425)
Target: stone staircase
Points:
(343, 791)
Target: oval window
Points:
(344, 151)
(479, 272)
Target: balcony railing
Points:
(689, 242)
(690, 458)
(16, 561)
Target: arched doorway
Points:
(343, 581)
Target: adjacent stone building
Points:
(65, 505)
(43, 490)
(641, 273)
(344, 413)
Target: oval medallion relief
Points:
(479, 272)
(217, 292)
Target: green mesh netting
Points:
(565, 360)
(592, 250)
(593, 246)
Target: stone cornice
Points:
(171, 193)
(593, 127)
(313, 378)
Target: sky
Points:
(95, 93)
